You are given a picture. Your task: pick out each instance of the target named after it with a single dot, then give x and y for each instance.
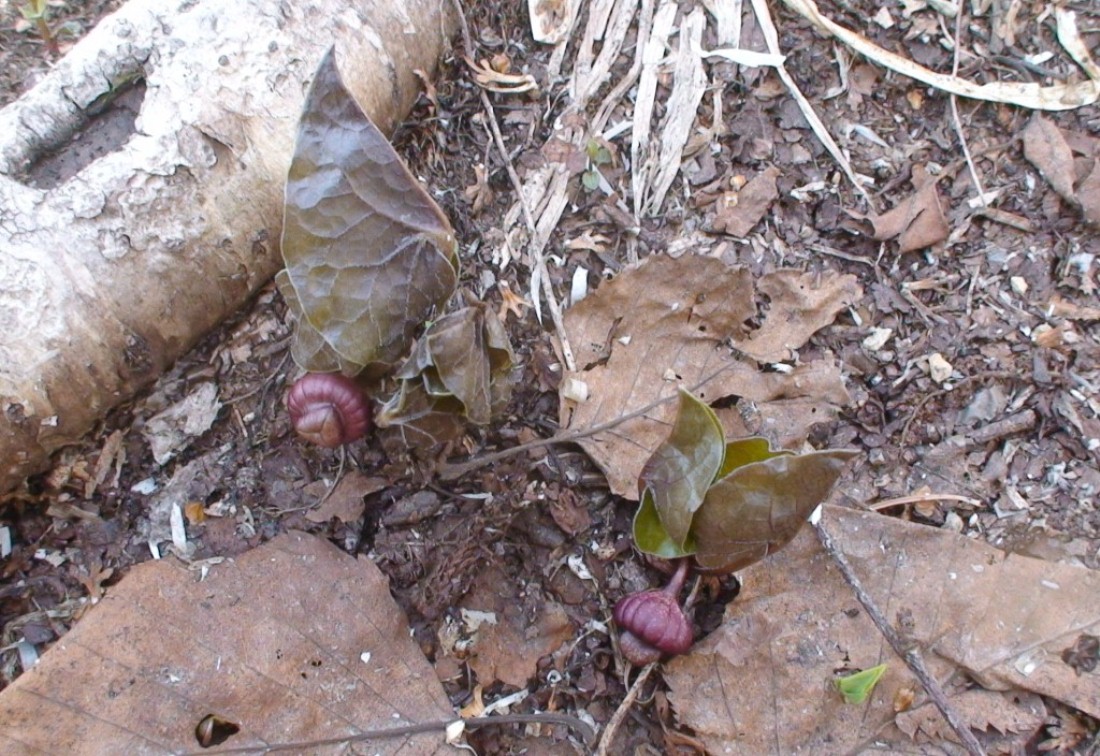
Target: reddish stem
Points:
(48, 37)
(677, 582)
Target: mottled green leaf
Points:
(758, 508)
(857, 687)
(682, 468)
(369, 254)
(650, 535)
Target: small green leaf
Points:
(759, 507)
(650, 535)
(591, 179)
(745, 451)
(857, 687)
(683, 467)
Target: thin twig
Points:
(955, 110)
(608, 737)
(451, 471)
(517, 186)
(442, 725)
(771, 39)
(907, 650)
(914, 498)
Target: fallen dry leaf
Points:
(1051, 150)
(508, 650)
(760, 683)
(985, 710)
(667, 323)
(918, 221)
(1063, 308)
(1046, 149)
(798, 307)
(739, 211)
(172, 430)
(345, 503)
(479, 194)
(113, 453)
(292, 641)
(551, 20)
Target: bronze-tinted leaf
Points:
(501, 361)
(758, 508)
(419, 421)
(308, 348)
(465, 355)
(370, 255)
(682, 468)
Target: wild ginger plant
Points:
(720, 504)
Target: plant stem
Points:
(678, 577)
(47, 36)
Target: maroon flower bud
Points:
(637, 651)
(328, 409)
(653, 623)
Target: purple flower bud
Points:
(637, 651)
(328, 409)
(656, 620)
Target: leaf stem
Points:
(677, 582)
(451, 471)
(47, 36)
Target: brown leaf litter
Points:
(670, 322)
(762, 681)
(292, 641)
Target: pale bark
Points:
(110, 276)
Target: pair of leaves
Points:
(369, 255)
(728, 503)
(460, 368)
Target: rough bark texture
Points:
(108, 277)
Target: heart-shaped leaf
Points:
(758, 508)
(308, 348)
(682, 468)
(369, 254)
